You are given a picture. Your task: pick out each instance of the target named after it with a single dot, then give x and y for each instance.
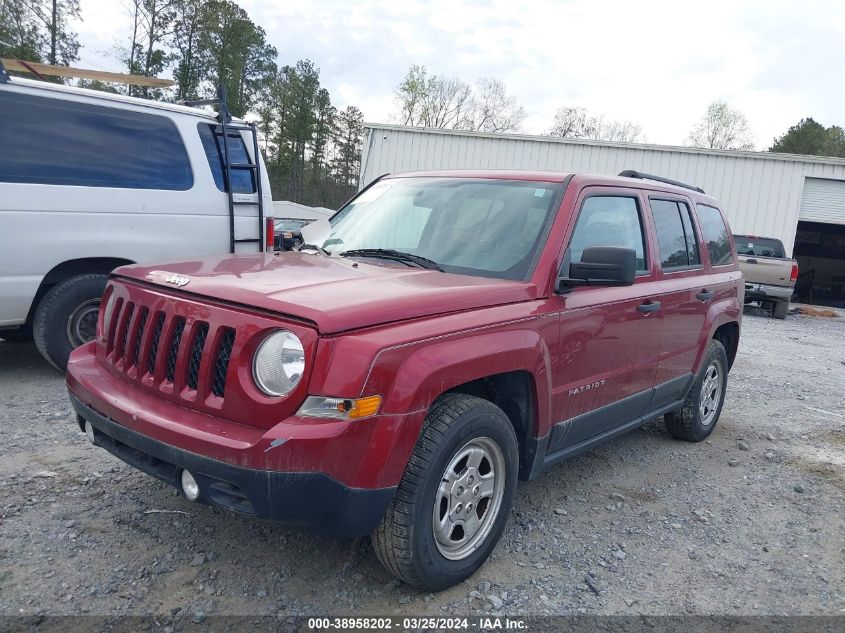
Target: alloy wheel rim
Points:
(711, 392)
(468, 498)
(82, 323)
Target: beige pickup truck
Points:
(769, 274)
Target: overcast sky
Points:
(657, 63)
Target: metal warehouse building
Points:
(798, 199)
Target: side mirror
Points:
(601, 266)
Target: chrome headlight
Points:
(278, 363)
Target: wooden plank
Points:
(84, 73)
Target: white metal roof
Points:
(646, 146)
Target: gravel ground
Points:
(749, 522)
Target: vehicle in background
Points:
(292, 217)
(770, 275)
(90, 181)
(450, 333)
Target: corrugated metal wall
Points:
(760, 193)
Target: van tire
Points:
(51, 322)
(687, 423)
(404, 541)
(780, 309)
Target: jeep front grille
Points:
(152, 345)
(221, 363)
(173, 348)
(196, 355)
(159, 324)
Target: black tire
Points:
(21, 335)
(404, 542)
(780, 309)
(70, 298)
(687, 423)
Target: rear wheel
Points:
(697, 418)
(455, 497)
(780, 309)
(67, 317)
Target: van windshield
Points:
(759, 246)
(489, 228)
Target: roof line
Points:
(803, 158)
(23, 82)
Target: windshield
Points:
(759, 246)
(490, 228)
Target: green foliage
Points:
(187, 27)
(38, 31)
(234, 52)
(304, 136)
(810, 137)
(349, 138)
(96, 84)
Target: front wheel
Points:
(455, 496)
(697, 418)
(67, 317)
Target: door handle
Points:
(704, 295)
(648, 306)
(751, 260)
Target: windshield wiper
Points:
(399, 256)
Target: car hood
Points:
(336, 293)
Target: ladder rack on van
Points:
(225, 126)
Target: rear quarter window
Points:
(715, 234)
(59, 142)
(212, 142)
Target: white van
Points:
(90, 181)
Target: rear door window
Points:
(675, 235)
(715, 235)
(243, 180)
(609, 221)
(51, 141)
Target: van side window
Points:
(715, 234)
(243, 180)
(609, 221)
(59, 142)
(675, 235)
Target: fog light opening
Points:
(89, 431)
(190, 486)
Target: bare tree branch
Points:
(576, 123)
(722, 127)
(440, 102)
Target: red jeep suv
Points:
(449, 334)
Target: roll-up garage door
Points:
(823, 200)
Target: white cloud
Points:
(656, 62)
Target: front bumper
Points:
(766, 292)
(305, 499)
